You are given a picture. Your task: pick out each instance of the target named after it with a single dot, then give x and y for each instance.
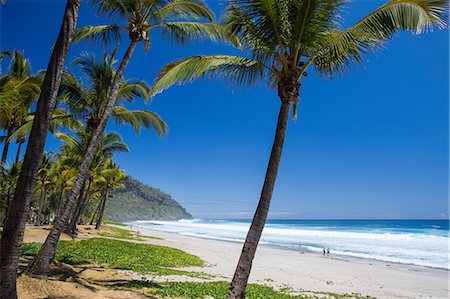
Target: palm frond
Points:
(339, 50)
(62, 119)
(238, 70)
(99, 33)
(72, 92)
(68, 140)
(240, 23)
(114, 7)
(132, 90)
(184, 32)
(140, 118)
(184, 9)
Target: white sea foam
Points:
(400, 247)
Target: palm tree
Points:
(89, 102)
(13, 230)
(111, 178)
(74, 151)
(23, 125)
(284, 39)
(18, 89)
(7, 185)
(64, 180)
(43, 181)
(141, 17)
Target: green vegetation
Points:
(138, 201)
(107, 221)
(119, 233)
(214, 289)
(219, 289)
(160, 260)
(141, 258)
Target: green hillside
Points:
(141, 202)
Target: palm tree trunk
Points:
(79, 210)
(6, 148)
(240, 279)
(102, 210)
(77, 206)
(12, 236)
(68, 229)
(40, 217)
(61, 193)
(19, 147)
(84, 207)
(96, 212)
(40, 267)
(8, 199)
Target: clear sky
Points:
(371, 144)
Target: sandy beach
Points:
(308, 271)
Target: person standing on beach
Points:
(328, 250)
(324, 251)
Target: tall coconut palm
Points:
(140, 17)
(13, 230)
(284, 38)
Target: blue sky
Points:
(371, 144)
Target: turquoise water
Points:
(418, 242)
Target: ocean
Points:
(417, 242)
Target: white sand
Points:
(279, 268)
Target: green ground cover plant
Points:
(120, 233)
(116, 254)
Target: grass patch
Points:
(191, 290)
(107, 221)
(120, 233)
(214, 289)
(141, 258)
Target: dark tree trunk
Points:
(240, 279)
(68, 229)
(97, 209)
(61, 193)
(79, 210)
(6, 148)
(12, 236)
(19, 147)
(8, 202)
(102, 210)
(83, 208)
(40, 216)
(40, 267)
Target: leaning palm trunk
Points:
(8, 199)
(60, 198)
(239, 282)
(41, 216)
(6, 148)
(40, 266)
(19, 147)
(101, 211)
(72, 226)
(97, 209)
(80, 210)
(12, 236)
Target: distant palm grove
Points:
(279, 40)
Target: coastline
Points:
(284, 268)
